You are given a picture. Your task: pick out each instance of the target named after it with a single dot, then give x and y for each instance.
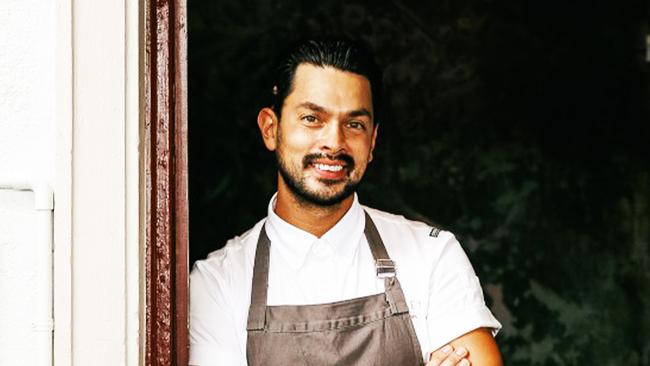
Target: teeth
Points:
(329, 168)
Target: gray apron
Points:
(370, 330)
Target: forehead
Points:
(331, 88)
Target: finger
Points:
(456, 358)
(436, 357)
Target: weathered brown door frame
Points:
(165, 174)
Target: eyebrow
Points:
(353, 113)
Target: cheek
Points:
(296, 141)
(363, 152)
(300, 141)
(293, 145)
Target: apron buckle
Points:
(385, 268)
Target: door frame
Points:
(165, 211)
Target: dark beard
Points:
(297, 186)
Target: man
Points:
(324, 280)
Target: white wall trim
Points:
(134, 248)
(98, 259)
(63, 186)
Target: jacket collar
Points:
(295, 244)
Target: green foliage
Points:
(520, 126)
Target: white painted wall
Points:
(17, 278)
(69, 116)
(27, 62)
(27, 124)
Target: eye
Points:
(310, 119)
(356, 125)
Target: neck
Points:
(312, 218)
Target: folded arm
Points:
(478, 347)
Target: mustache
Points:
(345, 158)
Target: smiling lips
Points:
(329, 168)
(335, 170)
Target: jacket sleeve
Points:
(456, 303)
(215, 337)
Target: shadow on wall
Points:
(519, 127)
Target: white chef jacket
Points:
(441, 289)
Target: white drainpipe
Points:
(43, 324)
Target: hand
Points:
(446, 356)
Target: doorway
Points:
(493, 117)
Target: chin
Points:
(327, 197)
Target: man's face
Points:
(326, 134)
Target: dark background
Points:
(520, 126)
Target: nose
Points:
(332, 138)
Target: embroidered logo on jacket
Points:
(434, 232)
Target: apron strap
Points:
(383, 263)
(385, 269)
(257, 310)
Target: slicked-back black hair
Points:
(341, 54)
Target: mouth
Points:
(328, 167)
(330, 170)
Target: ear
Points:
(374, 138)
(267, 121)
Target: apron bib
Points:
(371, 330)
